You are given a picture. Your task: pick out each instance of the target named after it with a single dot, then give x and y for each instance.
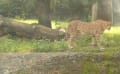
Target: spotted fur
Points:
(95, 29)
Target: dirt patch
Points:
(59, 63)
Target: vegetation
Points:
(110, 39)
(25, 45)
(57, 13)
(46, 10)
(107, 67)
(27, 9)
(59, 10)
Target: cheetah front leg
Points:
(98, 42)
(71, 42)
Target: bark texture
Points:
(8, 26)
(102, 9)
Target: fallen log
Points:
(23, 30)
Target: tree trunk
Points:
(116, 12)
(29, 31)
(43, 12)
(102, 9)
(94, 11)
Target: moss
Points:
(104, 67)
(108, 55)
(89, 68)
(110, 67)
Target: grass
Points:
(30, 21)
(110, 39)
(55, 24)
(26, 45)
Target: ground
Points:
(60, 63)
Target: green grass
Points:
(26, 45)
(110, 39)
(30, 21)
(7, 44)
(114, 30)
(55, 24)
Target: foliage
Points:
(12, 8)
(60, 9)
(72, 9)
